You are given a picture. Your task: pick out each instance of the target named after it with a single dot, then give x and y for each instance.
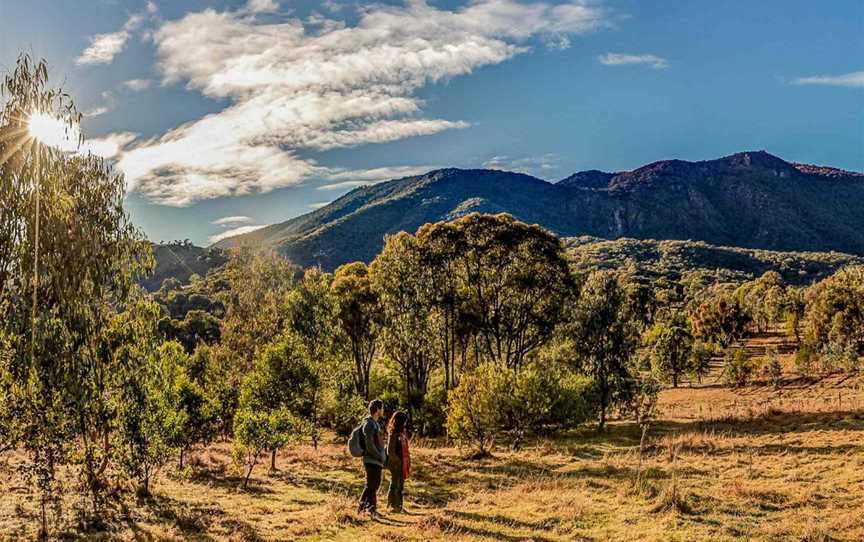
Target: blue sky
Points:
(228, 115)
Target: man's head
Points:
(376, 408)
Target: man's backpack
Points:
(357, 442)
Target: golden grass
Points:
(720, 466)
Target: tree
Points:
(142, 427)
(189, 413)
(514, 281)
(68, 256)
(255, 308)
(719, 319)
(358, 319)
(700, 364)
(604, 339)
(739, 368)
(834, 318)
(276, 396)
(671, 347)
(411, 325)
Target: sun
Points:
(53, 132)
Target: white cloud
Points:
(236, 231)
(96, 111)
(104, 47)
(232, 221)
(261, 6)
(109, 146)
(137, 85)
(535, 165)
(362, 177)
(618, 59)
(854, 79)
(318, 205)
(296, 86)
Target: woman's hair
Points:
(397, 423)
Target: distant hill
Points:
(749, 199)
(180, 260)
(672, 259)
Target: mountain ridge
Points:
(750, 199)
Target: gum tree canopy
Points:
(68, 257)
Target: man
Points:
(374, 457)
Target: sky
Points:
(226, 116)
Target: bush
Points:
(772, 369)
(475, 415)
(805, 360)
(494, 400)
(544, 400)
(739, 368)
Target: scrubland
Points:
(720, 464)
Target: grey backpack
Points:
(357, 442)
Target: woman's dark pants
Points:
(397, 486)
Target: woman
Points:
(398, 459)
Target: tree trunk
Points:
(674, 380)
(602, 426)
(182, 451)
(273, 459)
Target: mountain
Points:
(750, 199)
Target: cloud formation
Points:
(137, 85)
(537, 166)
(297, 86)
(232, 221)
(235, 231)
(342, 179)
(619, 59)
(854, 80)
(104, 47)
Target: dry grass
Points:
(757, 464)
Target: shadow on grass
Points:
(769, 423)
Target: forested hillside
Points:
(749, 199)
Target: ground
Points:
(721, 464)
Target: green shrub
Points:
(772, 369)
(739, 368)
(805, 360)
(475, 414)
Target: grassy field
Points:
(753, 464)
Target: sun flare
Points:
(53, 132)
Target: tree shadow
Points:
(768, 423)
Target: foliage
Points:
(475, 414)
(671, 348)
(720, 319)
(68, 255)
(604, 339)
(738, 367)
(772, 369)
(277, 400)
(358, 319)
(834, 318)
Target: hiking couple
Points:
(367, 442)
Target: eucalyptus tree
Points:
(358, 320)
(604, 337)
(670, 344)
(514, 283)
(68, 255)
(411, 324)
